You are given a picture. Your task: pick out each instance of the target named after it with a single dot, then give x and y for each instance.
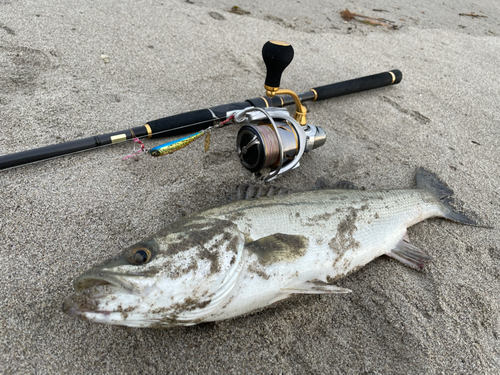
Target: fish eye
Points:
(139, 255)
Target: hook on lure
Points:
(135, 153)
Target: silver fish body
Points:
(230, 260)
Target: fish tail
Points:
(430, 182)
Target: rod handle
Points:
(352, 86)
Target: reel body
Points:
(271, 138)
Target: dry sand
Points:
(60, 217)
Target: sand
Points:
(60, 217)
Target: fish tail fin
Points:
(430, 182)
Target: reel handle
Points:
(277, 56)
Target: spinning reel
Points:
(270, 138)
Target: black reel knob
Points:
(277, 56)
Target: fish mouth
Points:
(86, 282)
(90, 291)
(103, 279)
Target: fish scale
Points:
(226, 261)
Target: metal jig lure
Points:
(172, 146)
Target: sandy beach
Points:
(71, 69)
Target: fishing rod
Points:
(269, 137)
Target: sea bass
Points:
(236, 258)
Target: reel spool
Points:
(258, 145)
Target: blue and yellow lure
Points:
(172, 146)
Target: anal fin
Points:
(409, 254)
(315, 287)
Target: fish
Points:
(227, 261)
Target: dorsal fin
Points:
(323, 183)
(250, 191)
(347, 185)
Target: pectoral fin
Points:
(279, 247)
(314, 287)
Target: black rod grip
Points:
(352, 86)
